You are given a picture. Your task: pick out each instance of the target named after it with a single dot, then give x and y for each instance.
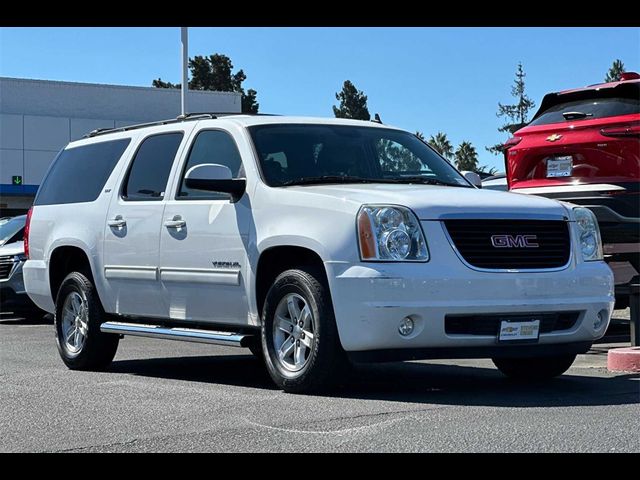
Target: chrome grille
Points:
(6, 265)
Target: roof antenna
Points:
(376, 119)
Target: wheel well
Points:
(65, 260)
(276, 260)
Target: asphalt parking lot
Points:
(174, 396)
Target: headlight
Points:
(588, 234)
(20, 258)
(390, 234)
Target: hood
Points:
(15, 248)
(431, 202)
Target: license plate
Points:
(559, 166)
(519, 331)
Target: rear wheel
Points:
(536, 368)
(78, 316)
(300, 340)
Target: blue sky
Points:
(427, 79)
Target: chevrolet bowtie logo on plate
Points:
(553, 138)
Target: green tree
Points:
(486, 169)
(420, 135)
(466, 157)
(442, 145)
(249, 103)
(613, 75)
(215, 73)
(158, 83)
(353, 103)
(516, 114)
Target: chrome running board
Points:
(231, 339)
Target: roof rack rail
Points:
(188, 117)
(180, 118)
(230, 114)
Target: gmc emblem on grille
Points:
(514, 241)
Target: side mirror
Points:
(473, 178)
(215, 178)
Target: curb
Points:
(624, 359)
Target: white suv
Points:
(314, 242)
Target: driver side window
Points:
(211, 146)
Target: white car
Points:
(313, 242)
(496, 182)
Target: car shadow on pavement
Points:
(35, 319)
(479, 386)
(406, 382)
(239, 370)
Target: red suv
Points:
(583, 147)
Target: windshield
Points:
(293, 154)
(11, 229)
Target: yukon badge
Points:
(225, 265)
(514, 241)
(553, 138)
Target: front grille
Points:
(6, 264)
(548, 240)
(490, 324)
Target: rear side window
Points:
(211, 146)
(78, 174)
(593, 108)
(149, 171)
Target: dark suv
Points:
(583, 147)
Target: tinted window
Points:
(292, 154)
(593, 108)
(149, 172)
(211, 146)
(78, 174)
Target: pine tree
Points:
(613, 75)
(353, 103)
(516, 114)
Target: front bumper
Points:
(617, 209)
(13, 296)
(12, 301)
(371, 299)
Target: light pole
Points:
(185, 64)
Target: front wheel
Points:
(78, 316)
(300, 341)
(534, 368)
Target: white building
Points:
(39, 117)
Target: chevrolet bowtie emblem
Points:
(553, 138)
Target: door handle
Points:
(117, 222)
(176, 222)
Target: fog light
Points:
(406, 327)
(600, 319)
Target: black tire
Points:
(536, 368)
(326, 358)
(99, 348)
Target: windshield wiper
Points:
(576, 115)
(353, 179)
(327, 179)
(424, 180)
